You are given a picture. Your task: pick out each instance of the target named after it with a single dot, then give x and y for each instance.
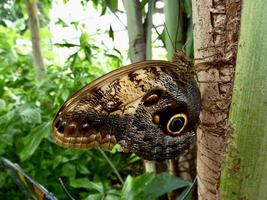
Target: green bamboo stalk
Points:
(174, 38)
(244, 175)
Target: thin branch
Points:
(111, 165)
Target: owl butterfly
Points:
(150, 108)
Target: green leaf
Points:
(151, 186)
(45, 33)
(75, 24)
(33, 140)
(61, 22)
(85, 45)
(95, 3)
(3, 148)
(65, 94)
(2, 88)
(112, 5)
(69, 170)
(134, 186)
(84, 38)
(104, 8)
(8, 117)
(3, 178)
(31, 116)
(167, 183)
(2, 105)
(85, 183)
(143, 3)
(66, 44)
(113, 194)
(102, 197)
(111, 33)
(81, 168)
(80, 183)
(7, 138)
(94, 197)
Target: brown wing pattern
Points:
(101, 113)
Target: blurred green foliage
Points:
(27, 108)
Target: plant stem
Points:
(111, 165)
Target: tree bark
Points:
(151, 5)
(35, 37)
(216, 29)
(135, 30)
(245, 170)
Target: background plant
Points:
(28, 105)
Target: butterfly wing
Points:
(30, 187)
(103, 112)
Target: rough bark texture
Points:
(35, 37)
(135, 30)
(149, 25)
(216, 29)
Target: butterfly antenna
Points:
(65, 189)
(185, 44)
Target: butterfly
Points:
(150, 108)
(30, 187)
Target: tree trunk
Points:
(35, 37)
(245, 171)
(216, 28)
(135, 30)
(151, 5)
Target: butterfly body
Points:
(151, 108)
